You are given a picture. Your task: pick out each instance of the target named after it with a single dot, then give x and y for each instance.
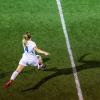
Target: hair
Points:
(26, 37)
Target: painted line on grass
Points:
(79, 91)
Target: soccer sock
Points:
(14, 75)
(40, 65)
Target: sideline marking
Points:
(79, 91)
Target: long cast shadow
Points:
(57, 72)
(66, 71)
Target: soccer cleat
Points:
(42, 67)
(8, 84)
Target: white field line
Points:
(79, 91)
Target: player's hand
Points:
(46, 54)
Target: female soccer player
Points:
(28, 58)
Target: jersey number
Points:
(26, 48)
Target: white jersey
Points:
(29, 57)
(29, 48)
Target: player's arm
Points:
(41, 51)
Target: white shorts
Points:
(29, 60)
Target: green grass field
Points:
(41, 18)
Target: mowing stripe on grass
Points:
(79, 91)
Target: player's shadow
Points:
(4, 74)
(85, 64)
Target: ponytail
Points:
(26, 37)
(24, 42)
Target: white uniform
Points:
(29, 57)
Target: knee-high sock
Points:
(14, 75)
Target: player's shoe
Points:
(8, 84)
(42, 67)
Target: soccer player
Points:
(29, 57)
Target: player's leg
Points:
(40, 62)
(13, 76)
(16, 72)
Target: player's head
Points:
(27, 36)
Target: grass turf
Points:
(42, 20)
(82, 18)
